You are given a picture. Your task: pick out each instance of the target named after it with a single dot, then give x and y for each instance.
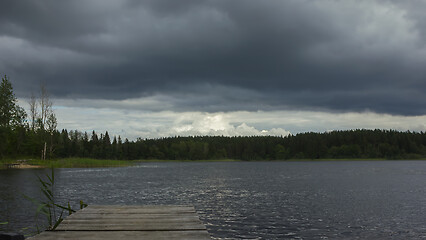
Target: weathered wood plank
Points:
(131, 227)
(124, 235)
(135, 211)
(144, 210)
(131, 222)
(138, 209)
(130, 216)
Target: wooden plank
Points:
(160, 208)
(131, 227)
(138, 210)
(130, 216)
(123, 235)
(139, 221)
(140, 207)
(131, 222)
(142, 218)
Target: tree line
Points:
(36, 136)
(22, 133)
(354, 144)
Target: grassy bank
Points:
(79, 163)
(281, 160)
(187, 160)
(8, 161)
(350, 159)
(335, 159)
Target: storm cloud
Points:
(333, 56)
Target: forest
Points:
(34, 136)
(353, 144)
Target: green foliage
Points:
(76, 149)
(12, 121)
(3, 226)
(11, 115)
(79, 163)
(48, 206)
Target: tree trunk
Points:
(44, 151)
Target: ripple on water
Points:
(257, 200)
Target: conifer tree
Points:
(11, 114)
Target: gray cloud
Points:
(221, 55)
(145, 124)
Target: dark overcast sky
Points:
(222, 55)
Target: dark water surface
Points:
(250, 200)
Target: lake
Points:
(249, 200)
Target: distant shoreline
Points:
(63, 163)
(283, 160)
(95, 163)
(19, 166)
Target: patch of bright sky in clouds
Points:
(155, 124)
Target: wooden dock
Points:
(105, 222)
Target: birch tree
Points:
(46, 120)
(32, 102)
(45, 106)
